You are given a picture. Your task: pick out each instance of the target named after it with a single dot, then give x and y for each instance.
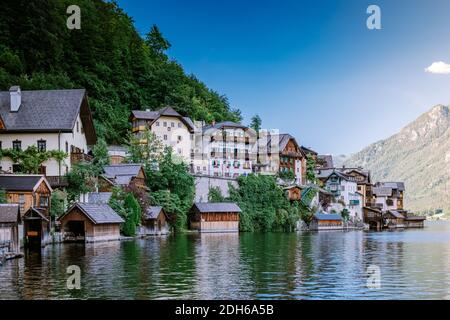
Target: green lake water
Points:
(413, 264)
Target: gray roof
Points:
(99, 197)
(9, 213)
(122, 173)
(153, 212)
(167, 111)
(382, 191)
(97, 213)
(393, 185)
(223, 125)
(327, 216)
(326, 159)
(323, 173)
(308, 150)
(217, 207)
(19, 182)
(396, 214)
(47, 111)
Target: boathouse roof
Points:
(22, 182)
(327, 216)
(153, 212)
(206, 207)
(122, 173)
(47, 111)
(9, 213)
(98, 213)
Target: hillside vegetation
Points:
(120, 69)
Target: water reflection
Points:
(328, 265)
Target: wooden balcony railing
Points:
(57, 181)
(76, 157)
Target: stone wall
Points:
(203, 183)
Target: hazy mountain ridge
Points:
(419, 155)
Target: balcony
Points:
(76, 157)
(57, 181)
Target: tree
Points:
(255, 123)
(81, 180)
(146, 149)
(155, 40)
(264, 205)
(345, 214)
(100, 156)
(3, 196)
(58, 203)
(215, 195)
(310, 169)
(31, 159)
(132, 205)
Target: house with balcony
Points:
(224, 149)
(281, 154)
(344, 189)
(364, 183)
(173, 129)
(389, 195)
(50, 120)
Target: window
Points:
(22, 202)
(42, 170)
(172, 124)
(78, 127)
(43, 201)
(179, 124)
(168, 129)
(17, 145)
(157, 123)
(16, 168)
(42, 145)
(342, 188)
(0, 145)
(179, 151)
(165, 137)
(164, 124)
(180, 138)
(67, 147)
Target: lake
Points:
(412, 264)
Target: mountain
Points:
(419, 155)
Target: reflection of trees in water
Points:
(271, 259)
(220, 271)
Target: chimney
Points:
(213, 122)
(147, 110)
(15, 98)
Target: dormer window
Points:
(78, 127)
(17, 145)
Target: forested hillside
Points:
(120, 70)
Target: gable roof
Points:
(205, 207)
(9, 213)
(96, 212)
(167, 111)
(99, 197)
(22, 182)
(309, 151)
(32, 211)
(327, 216)
(122, 173)
(396, 214)
(326, 160)
(393, 185)
(153, 212)
(48, 111)
(341, 175)
(382, 191)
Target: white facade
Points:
(223, 153)
(66, 142)
(174, 133)
(381, 202)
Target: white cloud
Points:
(439, 67)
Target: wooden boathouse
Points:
(9, 228)
(154, 222)
(90, 222)
(215, 217)
(326, 221)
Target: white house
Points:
(345, 190)
(224, 149)
(169, 126)
(50, 120)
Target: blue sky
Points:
(312, 68)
